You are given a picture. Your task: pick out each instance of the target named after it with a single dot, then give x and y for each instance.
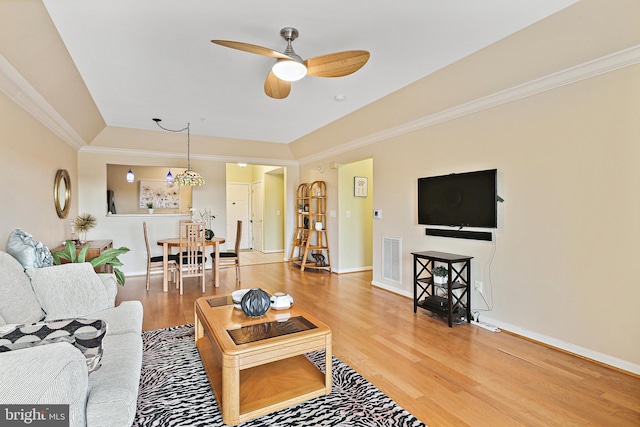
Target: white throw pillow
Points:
(69, 290)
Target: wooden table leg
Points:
(216, 266)
(230, 390)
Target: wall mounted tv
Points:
(459, 200)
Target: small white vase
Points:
(440, 280)
(150, 211)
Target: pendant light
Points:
(130, 177)
(189, 177)
(169, 177)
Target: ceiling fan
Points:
(290, 67)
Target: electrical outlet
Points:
(478, 285)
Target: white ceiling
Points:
(142, 59)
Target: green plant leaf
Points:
(109, 257)
(119, 276)
(82, 255)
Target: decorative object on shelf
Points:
(319, 226)
(255, 303)
(189, 177)
(108, 257)
(440, 275)
(360, 186)
(150, 207)
(207, 217)
(320, 262)
(84, 223)
(130, 176)
(62, 193)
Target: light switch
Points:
(377, 213)
(348, 213)
(332, 214)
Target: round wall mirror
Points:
(62, 193)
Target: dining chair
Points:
(232, 259)
(191, 261)
(155, 262)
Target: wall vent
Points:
(391, 259)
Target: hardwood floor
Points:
(460, 376)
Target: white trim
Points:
(22, 93)
(353, 270)
(550, 341)
(392, 289)
(165, 154)
(566, 346)
(605, 64)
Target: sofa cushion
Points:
(114, 387)
(28, 251)
(125, 318)
(85, 334)
(69, 290)
(18, 302)
(51, 374)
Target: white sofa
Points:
(57, 373)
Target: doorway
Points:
(238, 210)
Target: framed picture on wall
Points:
(360, 186)
(159, 194)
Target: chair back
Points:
(238, 237)
(191, 258)
(146, 239)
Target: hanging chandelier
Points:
(189, 177)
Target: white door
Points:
(256, 207)
(238, 209)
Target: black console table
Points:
(459, 280)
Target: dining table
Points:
(174, 242)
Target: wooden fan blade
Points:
(337, 64)
(276, 88)
(251, 48)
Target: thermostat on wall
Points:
(377, 213)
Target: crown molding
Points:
(22, 93)
(586, 70)
(172, 155)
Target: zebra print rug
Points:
(175, 391)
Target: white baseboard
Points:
(566, 346)
(352, 270)
(605, 359)
(392, 289)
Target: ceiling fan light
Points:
(288, 70)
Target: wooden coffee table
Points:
(257, 365)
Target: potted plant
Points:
(207, 217)
(150, 207)
(108, 257)
(440, 275)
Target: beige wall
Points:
(558, 269)
(355, 250)
(30, 157)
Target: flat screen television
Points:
(459, 200)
